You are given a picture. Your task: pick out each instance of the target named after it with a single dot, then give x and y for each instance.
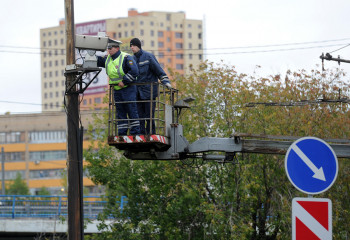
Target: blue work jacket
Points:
(129, 67)
(150, 71)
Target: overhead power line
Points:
(210, 49)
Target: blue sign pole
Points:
(311, 165)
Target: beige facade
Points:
(35, 147)
(176, 42)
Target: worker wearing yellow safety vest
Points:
(122, 70)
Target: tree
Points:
(17, 187)
(250, 199)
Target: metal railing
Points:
(26, 206)
(166, 98)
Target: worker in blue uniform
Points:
(122, 70)
(150, 71)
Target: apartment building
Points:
(35, 146)
(176, 41)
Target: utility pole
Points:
(2, 171)
(75, 219)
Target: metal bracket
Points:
(79, 73)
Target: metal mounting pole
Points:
(75, 231)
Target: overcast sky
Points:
(232, 28)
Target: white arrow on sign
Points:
(318, 172)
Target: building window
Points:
(55, 42)
(161, 24)
(56, 83)
(125, 24)
(56, 63)
(49, 43)
(141, 22)
(189, 25)
(160, 34)
(119, 34)
(168, 29)
(161, 55)
(175, 25)
(199, 35)
(47, 173)
(51, 97)
(119, 25)
(114, 35)
(190, 56)
(85, 102)
(56, 73)
(50, 64)
(62, 51)
(168, 17)
(152, 33)
(161, 44)
(14, 156)
(11, 137)
(62, 62)
(97, 100)
(179, 66)
(132, 23)
(44, 44)
(178, 45)
(44, 64)
(179, 56)
(169, 60)
(199, 26)
(151, 23)
(152, 43)
(126, 33)
(200, 56)
(141, 32)
(47, 155)
(50, 84)
(45, 74)
(190, 45)
(57, 95)
(47, 136)
(45, 85)
(178, 35)
(200, 46)
(132, 33)
(189, 35)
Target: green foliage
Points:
(247, 200)
(17, 187)
(44, 191)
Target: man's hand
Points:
(168, 86)
(121, 84)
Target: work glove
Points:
(168, 86)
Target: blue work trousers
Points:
(127, 111)
(144, 111)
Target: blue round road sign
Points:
(311, 165)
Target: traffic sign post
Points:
(311, 165)
(311, 219)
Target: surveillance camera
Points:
(97, 43)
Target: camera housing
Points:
(86, 42)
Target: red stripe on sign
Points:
(303, 232)
(319, 210)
